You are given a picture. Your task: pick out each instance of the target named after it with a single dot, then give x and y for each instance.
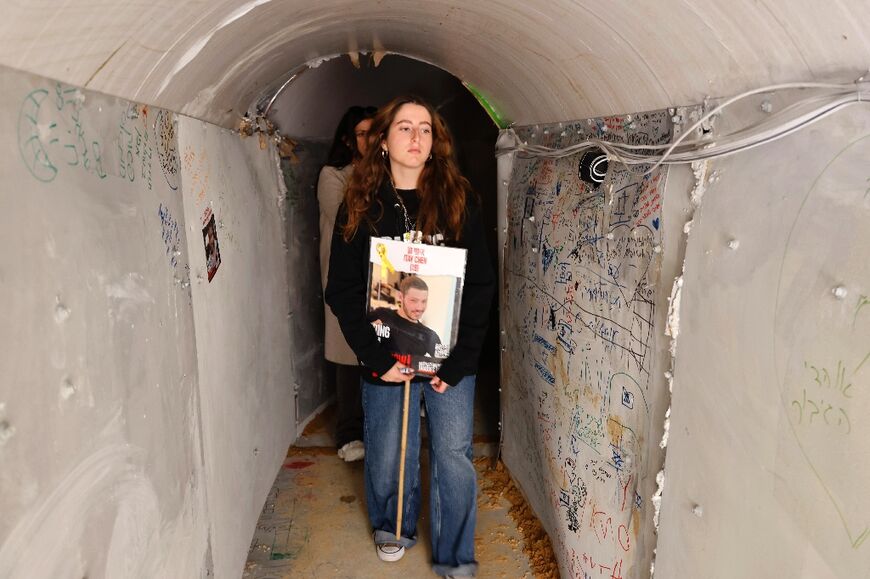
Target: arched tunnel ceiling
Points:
(534, 60)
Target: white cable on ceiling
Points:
(682, 150)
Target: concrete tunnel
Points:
(684, 348)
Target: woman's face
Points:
(409, 138)
(361, 131)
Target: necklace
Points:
(409, 225)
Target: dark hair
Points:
(344, 149)
(442, 188)
(412, 282)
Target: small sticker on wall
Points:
(209, 238)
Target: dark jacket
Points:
(348, 276)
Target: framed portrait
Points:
(414, 298)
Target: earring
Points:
(430, 157)
(383, 154)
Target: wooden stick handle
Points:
(402, 458)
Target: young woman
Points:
(348, 147)
(408, 181)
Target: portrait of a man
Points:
(401, 329)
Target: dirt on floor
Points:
(322, 422)
(496, 484)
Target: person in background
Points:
(348, 146)
(407, 181)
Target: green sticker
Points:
(496, 117)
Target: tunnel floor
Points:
(314, 521)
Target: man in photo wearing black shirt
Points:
(401, 330)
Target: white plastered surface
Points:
(142, 417)
(536, 61)
(765, 465)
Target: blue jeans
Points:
(453, 480)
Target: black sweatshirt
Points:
(348, 276)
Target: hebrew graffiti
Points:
(581, 265)
(167, 147)
(53, 135)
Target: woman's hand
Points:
(398, 373)
(438, 385)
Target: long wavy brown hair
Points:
(442, 188)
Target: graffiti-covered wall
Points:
(101, 452)
(144, 402)
(584, 393)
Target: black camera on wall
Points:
(593, 167)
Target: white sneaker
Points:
(354, 450)
(390, 552)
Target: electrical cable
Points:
(683, 150)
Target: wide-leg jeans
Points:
(453, 480)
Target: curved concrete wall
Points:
(765, 471)
(137, 373)
(584, 302)
(99, 400)
(534, 62)
(537, 61)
